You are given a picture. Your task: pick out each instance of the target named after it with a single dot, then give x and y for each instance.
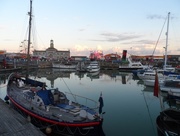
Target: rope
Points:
(69, 90)
(159, 37)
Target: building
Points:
(52, 53)
(79, 58)
(96, 55)
(112, 56)
(2, 52)
(147, 58)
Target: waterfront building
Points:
(2, 52)
(96, 55)
(112, 56)
(79, 58)
(52, 53)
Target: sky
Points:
(82, 26)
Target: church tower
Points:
(51, 44)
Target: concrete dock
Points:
(13, 124)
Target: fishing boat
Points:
(50, 109)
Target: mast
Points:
(165, 60)
(29, 38)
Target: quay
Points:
(13, 124)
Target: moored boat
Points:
(150, 75)
(171, 85)
(150, 82)
(132, 66)
(168, 123)
(49, 108)
(64, 65)
(93, 66)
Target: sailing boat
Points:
(168, 122)
(50, 109)
(167, 68)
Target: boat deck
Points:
(61, 112)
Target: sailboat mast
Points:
(165, 60)
(29, 37)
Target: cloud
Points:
(80, 50)
(3, 27)
(151, 42)
(155, 16)
(115, 37)
(83, 50)
(82, 29)
(7, 40)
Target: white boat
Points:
(93, 66)
(150, 75)
(174, 95)
(171, 85)
(61, 65)
(132, 66)
(150, 82)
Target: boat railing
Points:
(87, 100)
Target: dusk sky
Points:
(88, 25)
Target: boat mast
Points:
(165, 60)
(29, 38)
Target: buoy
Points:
(29, 118)
(48, 130)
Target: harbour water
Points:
(130, 107)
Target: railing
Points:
(86, 100)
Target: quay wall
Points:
(103, 64)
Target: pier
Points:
(13, 124)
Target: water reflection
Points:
(126, 98)
(94, 75)
(53, 74)
(116, 75)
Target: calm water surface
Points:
(130, 107)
